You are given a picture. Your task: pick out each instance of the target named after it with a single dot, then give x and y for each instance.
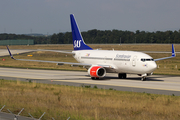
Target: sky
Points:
(53, 16)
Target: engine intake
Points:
(97, 71)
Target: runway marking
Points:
(118, 85)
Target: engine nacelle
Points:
(96, 71)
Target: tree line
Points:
(104, 36)
(37, 39)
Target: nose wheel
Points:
(143, 78)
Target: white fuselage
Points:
(121, 61)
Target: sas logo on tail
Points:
(77, 43)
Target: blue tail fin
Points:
(78, 41)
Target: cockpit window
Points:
(143, 59)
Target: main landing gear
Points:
(122, 75)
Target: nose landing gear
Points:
(143, 78)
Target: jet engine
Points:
(96, 72)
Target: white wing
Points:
(59, 62)
(57, 51)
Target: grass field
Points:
(83, 103)
(169, 66)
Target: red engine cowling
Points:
(97, 71)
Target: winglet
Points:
(173, 55)
(10, 53)
(173, 51)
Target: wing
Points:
(57, 62)
(57, 51)
(108, 67)
(173, 55)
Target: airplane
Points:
(100, 62)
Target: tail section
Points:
(78, 41)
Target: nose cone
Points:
(152, 66)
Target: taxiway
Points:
(158, 84)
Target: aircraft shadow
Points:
(132, 78)
(107, 78)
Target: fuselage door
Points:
(134, 61)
